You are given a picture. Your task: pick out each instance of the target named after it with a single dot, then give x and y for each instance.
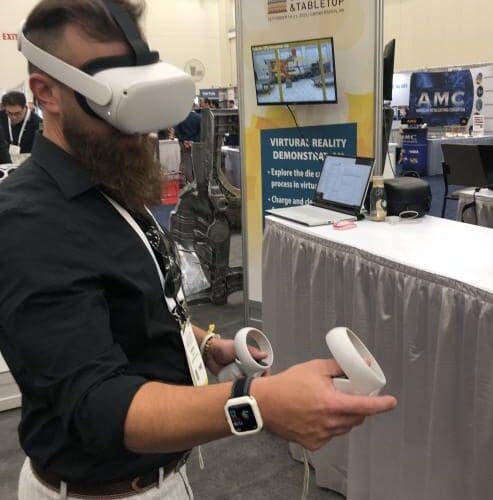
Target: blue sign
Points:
(292, 159)
(210, 93)
(414, 154)
(441, 97)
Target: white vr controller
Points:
(245, 363)
(6, 170)
(364, 375)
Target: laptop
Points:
(340, 193)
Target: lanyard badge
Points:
(194, 358)
(175, 303)
(21, 133)
(14, 151)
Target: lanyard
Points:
(21, 133)
(174, 305)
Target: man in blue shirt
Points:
(188, 132)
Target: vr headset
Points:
(135, 93)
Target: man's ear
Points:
(46, 91)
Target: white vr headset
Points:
(135, 93)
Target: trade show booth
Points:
(397, 283)
(451, 104)
(318, 118)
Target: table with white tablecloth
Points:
(232, 165)
(478, 206)
(10, 396)
(170, 156)
(420, 295)
(435, 155)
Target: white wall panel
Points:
(439, 33)
(181, 30)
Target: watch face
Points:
(242, 418)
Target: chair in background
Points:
(486, 153)
(462, 166)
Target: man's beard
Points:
(123, 166)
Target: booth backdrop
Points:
(269, 132)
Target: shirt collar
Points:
(72, 178)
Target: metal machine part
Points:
(216, 126)
(208, 209)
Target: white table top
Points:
(3, 365)
(462, 252)
(169, 155)
(445, 138)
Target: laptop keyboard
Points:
(317, 213)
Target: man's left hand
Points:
(222, 352)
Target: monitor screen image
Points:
(295, 72)
(344, 180)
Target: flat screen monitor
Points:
(388, 69)
(302, 72)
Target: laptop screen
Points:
(344, 181)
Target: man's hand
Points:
(302, 405)
(222, 352)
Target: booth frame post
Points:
(379, 123)
(252, 309)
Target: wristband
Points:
(205, 344)
(241, 387)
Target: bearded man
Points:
(92, 325)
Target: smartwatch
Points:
(242, 411)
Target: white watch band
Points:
(242, 411)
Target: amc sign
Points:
(441, 97)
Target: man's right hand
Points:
(302, 405)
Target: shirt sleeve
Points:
(55, 333)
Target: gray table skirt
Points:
(433, 338)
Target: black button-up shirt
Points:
(83, 322)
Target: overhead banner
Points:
(443, 97)
(294, 9)
(307, 90)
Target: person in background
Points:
(188, 132)
(205, 103)
(167, 134)
(18, 122)
(97, 342)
